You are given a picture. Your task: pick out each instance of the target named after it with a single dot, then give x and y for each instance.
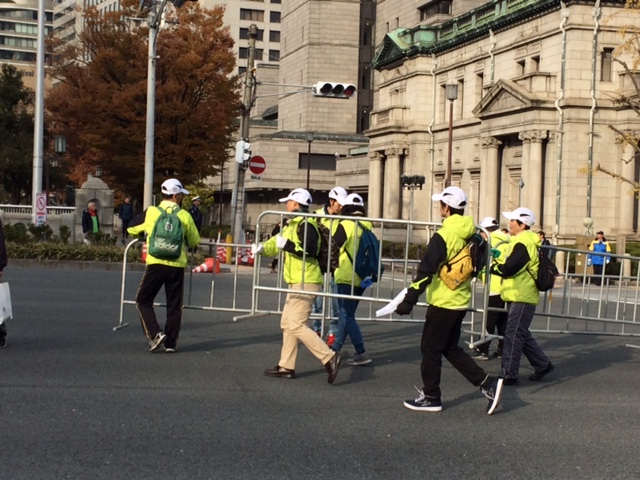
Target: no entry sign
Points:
(257, 165)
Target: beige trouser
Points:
(295, 316)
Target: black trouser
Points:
(597, 272)
(3, 330)
(155, 276)
(440, 337)
(495, 320)
(125, 225)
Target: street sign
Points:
(257, 164)
(41, 208)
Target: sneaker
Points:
(424, 403)
(170, 349)
(538, 376)
(331, 338)
(497, 354)
(333, 366)
(156, 342)
(493, 392)
(3, 342)
(478, 355)
(359, 359)
(510, 382)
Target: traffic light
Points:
(243, 154)
(333, 90)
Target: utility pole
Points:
(155, 17)
(237, 199)
(38, 121)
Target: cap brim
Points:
(285, 199)
(186, 192)
(437, 197)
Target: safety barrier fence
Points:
(580, 302)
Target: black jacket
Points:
(3, 249)
(197, 215)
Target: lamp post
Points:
(309, 138)
(59, 148)
(520, 187)
(451, 89)
(411, 182)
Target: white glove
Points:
(280, 241)
(257, 248)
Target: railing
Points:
(27, 209)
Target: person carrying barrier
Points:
(337, 196)
(600, 245)
(518, 269)
(299, 240)
(347, 281)
(496, 320)
(161, 272)
(447, 309)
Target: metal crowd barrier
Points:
(575, 305)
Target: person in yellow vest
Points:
(447, 308)
(518, 268)
(336, 200)
(167, 273)
(301, 271)
(496, 320)
(348, 282)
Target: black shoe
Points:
(493, 392)
(280, 372)
(538, 376)
(333, 366)
(509, 382)
(3, 342)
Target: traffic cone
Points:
(221, 254)
(209, 265)
(143, 257)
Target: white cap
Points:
(338, 194)
(452, 196)
(173, 187)
(525, 215)
(299, 195)
(197, 197)
(488, 222)
(354, 199)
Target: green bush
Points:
(16, 232)
(65, 233)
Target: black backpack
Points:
(547, 273)
(329, 252)
(367, 258)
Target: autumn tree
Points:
(99, 103)
(16, 134)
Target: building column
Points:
(536, 192)
(489, 178)
(627, 196)
(391, 202)
(375, 185)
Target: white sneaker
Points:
(359, 359)
(156, 342)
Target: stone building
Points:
(537, 88)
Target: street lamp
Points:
(309, 137)
(451, 89)
(411, 182)
(59, 148)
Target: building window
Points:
(242, 70)
(243, 52)
(431, 9)
(244, 34)
(276, 1)
(535, 64)
(319, 161)
(521, 67)
(274, 55)
(274, 36)
(259, 53)
(606, 62)
(274, 17)
(255, 15)
(479, 86)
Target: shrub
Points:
(16, 232)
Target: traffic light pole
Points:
(155, 16)
(237, 198)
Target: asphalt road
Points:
(80, 401)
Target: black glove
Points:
(410, 299)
